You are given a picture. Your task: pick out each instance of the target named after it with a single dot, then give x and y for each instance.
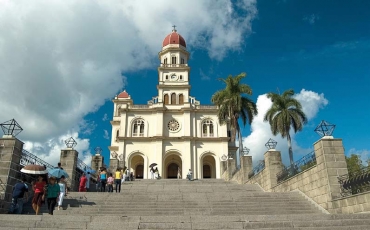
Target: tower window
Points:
(138, 128)
(166, 99)
(173, 60)
(173, 99)
(182, 61)
(207, 128)
(165, 61)
(181, 99)
(166, 77)
(180, 77)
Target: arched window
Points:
(165, 61)
(138, 128)
(166, 99)
(166, 77)
(180, 77)
(173, 60)
(173, 99)
(207, 128)
(181, 99)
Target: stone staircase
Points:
(182, 204)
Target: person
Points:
(98, 183)
(103, 179)
(117, 180)
(59, 165)
(63, 190)
(178, 173)
(88, 177)
(131, 176)
(38, 197)
(19, 196)
(52, 193)
(152, 172)
(110, 182)
(189, 174)
(123, 176)
(127, 174)
(83, 180)
(156, 173)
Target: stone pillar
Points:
(230, 167)
(113, 165)
(331, 161)
(10, 156)
(68, 160)
(273, 165)
(97, 162)
(246, 166)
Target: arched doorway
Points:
(209, 167)
(139, 172)
(172, 171)
(171, 164)
(137, 166)
(207, 173)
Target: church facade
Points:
(173, 129)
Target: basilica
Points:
(173, 130)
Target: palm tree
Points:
(285, 113)
(232, 104)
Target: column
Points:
(246, 166)
(68, 159)
(273, 165)
(10, 156)
(97, 162)
(113, 165)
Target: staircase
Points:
(182, 204)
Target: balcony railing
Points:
(139, 106)
(206, 107)
(174, 65)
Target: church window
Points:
(173, 125)
(117, 134)
(166, 99)
(173, 99)
(165, 61)
(173, 60)
(138, 128)
(166, 77)
(180, 77)
(182, 61)
(181, 99)
(207, 128)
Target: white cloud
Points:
(106, 135)
(49, 150)
(203, 76)
(62, 59)
(105, 117)
(261, 133)
(311, 19)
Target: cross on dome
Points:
(174, 28)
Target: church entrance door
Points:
(172, 171)
(207, 171)
(139, 172)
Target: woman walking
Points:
(103, 179)
(178, 173)
(52, 194)
(110, 182)
(39, 189)
(118, 177)
(63, 191)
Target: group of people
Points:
(154, 173)
(108, 181)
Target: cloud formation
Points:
(311, 19)
(311, 102)
(62, 59)
(364, 155)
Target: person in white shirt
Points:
(189, 174)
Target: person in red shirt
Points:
(38, 197)
(83, 181)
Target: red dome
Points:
(124, 94)
(174, 38)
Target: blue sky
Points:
(319, 46)
(323, 46)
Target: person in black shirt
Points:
(20, 191)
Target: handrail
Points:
(257, 169)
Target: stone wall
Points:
(353, 204)
(230, 173)
(260, 179)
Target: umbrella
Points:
(91, 171)
(152, 165)
(58, 173)
(34, 169)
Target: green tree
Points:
(233, 104)
(285, 113)
(354, 165)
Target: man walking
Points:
(88, 177)
(20, 190)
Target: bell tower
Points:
(173, 72)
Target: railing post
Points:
(97, 162)
(10, 156)
(246, 166)
(68, 160)
(273, 165)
